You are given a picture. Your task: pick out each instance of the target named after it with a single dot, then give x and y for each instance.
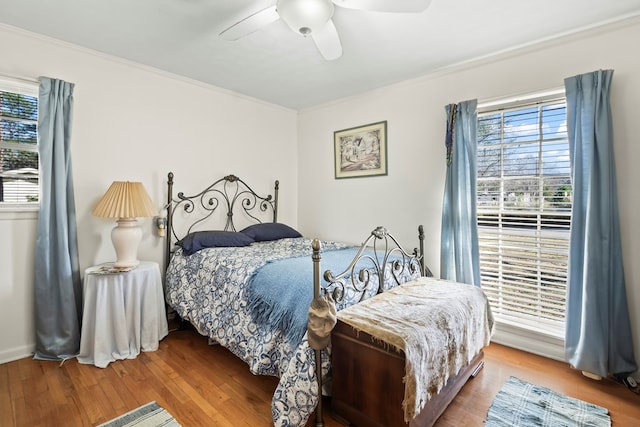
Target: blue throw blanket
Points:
(280, 292)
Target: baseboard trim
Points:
(16, 353)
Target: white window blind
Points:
(19, 164)
(524, 212)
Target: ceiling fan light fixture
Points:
(305, 16)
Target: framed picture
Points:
(361, 151)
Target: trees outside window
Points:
(524, 213)
(19, 168)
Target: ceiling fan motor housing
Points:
(305, 16)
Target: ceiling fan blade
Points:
(399, 6)
(250, 24)
(328, 41)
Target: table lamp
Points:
(126, 201)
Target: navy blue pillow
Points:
(197, 240)
(270, 231)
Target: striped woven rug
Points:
(149, 415)
(521, 404)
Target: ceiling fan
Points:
(313, 17)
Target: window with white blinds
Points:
(524, 212)
(19, 167)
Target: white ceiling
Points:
(279, 66)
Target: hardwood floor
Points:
(202, 385)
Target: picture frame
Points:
(361, 151)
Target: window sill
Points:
(530, 341)
(18, 212)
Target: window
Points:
(524, 212)
(19, 170)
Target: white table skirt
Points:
(123, 314)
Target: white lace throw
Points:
(438, 324)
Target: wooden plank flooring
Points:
(202, 385)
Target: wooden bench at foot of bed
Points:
(368, 390)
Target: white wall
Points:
(133, 123)
(412, 192)
(18, 235)
(137, 124)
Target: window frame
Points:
(30, 88)
(516, 334)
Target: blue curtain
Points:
(598, 334)
(459, 259)
(58, 291)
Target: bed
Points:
(232, 290)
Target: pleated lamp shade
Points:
(126, 201)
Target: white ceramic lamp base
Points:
(126, 238)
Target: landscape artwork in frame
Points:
(361, 151)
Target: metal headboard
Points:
(228, 195)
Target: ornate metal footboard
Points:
(381, 263)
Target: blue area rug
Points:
(149, 415)
(520, 404)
